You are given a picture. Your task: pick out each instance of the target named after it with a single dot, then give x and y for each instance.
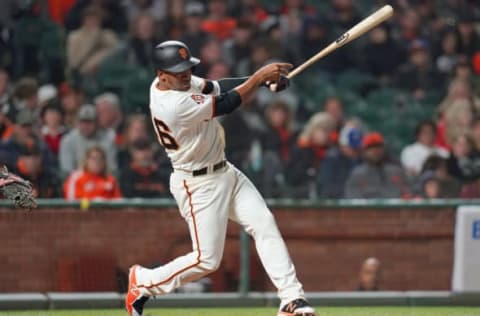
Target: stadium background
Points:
(421, 65)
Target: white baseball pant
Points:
(206, 203)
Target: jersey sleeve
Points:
(193, 107)
(200, 84)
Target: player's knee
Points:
(264, 223)
(210, 264)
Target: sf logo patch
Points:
(198, 98)
(183, 53)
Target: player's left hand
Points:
(282, 84)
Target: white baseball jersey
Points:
(185, 126)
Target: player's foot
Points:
(298, 307)
(134, 300)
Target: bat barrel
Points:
(359, 29)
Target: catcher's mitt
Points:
(17, 189)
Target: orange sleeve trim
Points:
(197, 242)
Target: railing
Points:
(277, 203)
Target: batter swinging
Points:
(209, 190)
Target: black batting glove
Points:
(282, 84)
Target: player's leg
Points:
(250, 211)
(204, 203)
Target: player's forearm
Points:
(248, 88)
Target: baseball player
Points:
(208, 189)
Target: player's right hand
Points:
(272, 72)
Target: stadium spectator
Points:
(52, 129)
(459, 89)
(32, 56)
(469, 40)
(436, 167)
(376, 177)
(157, 9)
(381, 44)
(448, 56)
(409, 25)
(340, 161)
(464, 161)
(142, 42)
(45, 94)
(218, 70)
(413, 156)
(135, 129)
(259, 55)
(30, 167)
(278, 137)
(71, 98)
(23, 136)
(143, 177)
(193, 35)
(252, 11)
(344, 15)
(369, 276)
(25, 97)
(238, 47)
(210, 53)
(300, 7)
(334, 106)
(92, 180)
(114, 17)
(313, 38)
(89, 45)
(276, 142)
(463, 70)
(109, 114)
(308, 153)
(458, 119)
(241, 138)
(86, 134)
(430, 186)
(218, 23)
(418, 75)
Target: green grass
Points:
(330, 311)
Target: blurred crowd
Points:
(74, 79)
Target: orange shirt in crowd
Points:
(221, 29)
(7, 132)
(81, 184)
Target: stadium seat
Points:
(356, 81)
(113, 73)
(135, 91)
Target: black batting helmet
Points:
(174, 56)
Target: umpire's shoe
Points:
(134, 300)
(298, 307)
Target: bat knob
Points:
(273, 87)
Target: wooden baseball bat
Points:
(357, 30)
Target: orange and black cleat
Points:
(298, 307)
(134, 300)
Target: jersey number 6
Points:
(166, 138)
